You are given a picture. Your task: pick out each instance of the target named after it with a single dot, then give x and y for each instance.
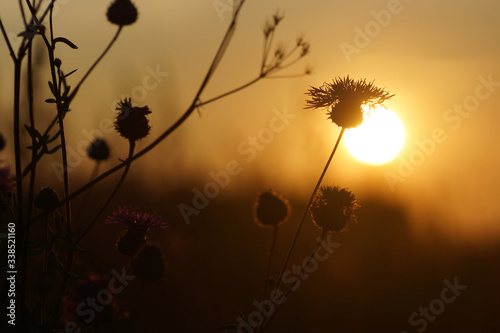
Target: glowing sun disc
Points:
(378, 139)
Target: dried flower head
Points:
(305, 49)
(278, 17)
(98, 150)
(2, 142)
(122, 12)
(271, 209)
(7, 181)
(46, 199)
(271, 24)
(343, 99)
(137, 220)
(131, 121)
(148, 265)
(333, 208)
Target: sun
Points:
(378, 139)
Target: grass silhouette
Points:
(43, 232)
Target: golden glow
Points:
(378, 139)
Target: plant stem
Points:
(7, 41)
(44, 272)
(50, 48)
(271, 252)
(120, 182)
(72, 249)
(249, 83)
(298, 279)
(306, 210)
(34, 151)
(113, 40)
(69, 241)
(20, 225)
(94, 174)
(194, 104)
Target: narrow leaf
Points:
(52, 89)
(65, 41)
(66, 75)
(53, 150)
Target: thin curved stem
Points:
(94, 174)
(20, 225)
(67, 203)
(113, 40)
(111, 196)
(44, 273)
(220, 52)
(34, 151)
(271, 252)
(297, 280)
(249, 83)
(7, 41)
(306, 210)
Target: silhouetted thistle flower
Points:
(122, 12)
(131, 121)
(46, 199)
(333, 208)
(136, 219)
(2, 142)
(138, 223)
(148, 265)
(271, 209)
(98, 150)
(343, 99)
(7, 181)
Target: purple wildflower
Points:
(136, 219)
(138, 222)
(7, 181)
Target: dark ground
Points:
(379, 276)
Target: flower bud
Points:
(271, 209)
(98, 150)
(122, 12)
(148, 265)
(333, 208)
(131, 121)
(46, 199)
